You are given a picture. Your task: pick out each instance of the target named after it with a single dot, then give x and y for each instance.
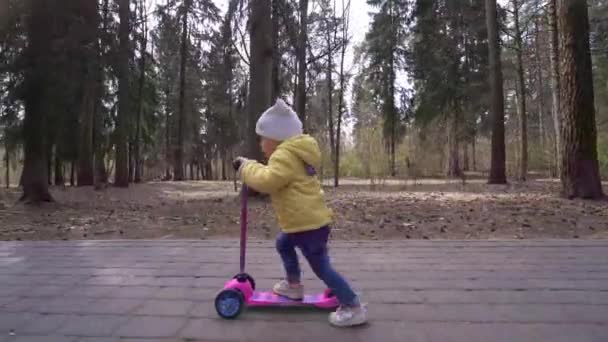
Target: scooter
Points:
(240, 292)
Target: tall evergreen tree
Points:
(498, 158)
(386, 51)
(580, 170)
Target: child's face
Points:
(268, 146)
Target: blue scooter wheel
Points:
(229, 303)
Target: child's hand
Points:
(238, 162)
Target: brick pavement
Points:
(427, 291)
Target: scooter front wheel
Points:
(229, 303)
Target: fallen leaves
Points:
(200, 210)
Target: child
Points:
(302, 214)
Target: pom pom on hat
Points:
(279, 122)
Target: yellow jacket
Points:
(296, 195)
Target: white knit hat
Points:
(279, 122)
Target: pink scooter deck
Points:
(270, 299)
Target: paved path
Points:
(417, 291)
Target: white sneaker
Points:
(283, 289)
(348, 316)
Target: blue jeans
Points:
(313, 245)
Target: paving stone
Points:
(63, 305)
(134, 292)
(22, 280)
(174, 281)
(10, 290)
(106, 280)
(492, 296)
(44, 291)
(43, 325)
(7, 300)
(149, 340)
(189, 293)
(454, 291)
(151, 326)
(45, 338)
(66, 280)
(445, 332)
(23, 304)
(107, 306)
(92, 291)
(13, 321)
(520, 313)
(308, 331)
(92, 325)
(217, 329)
(138, 281)
(165, 308)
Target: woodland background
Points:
(448, 119)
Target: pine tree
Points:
(580, 170)
(36, 96)
(386, 50)
(124, 103)
(498, 159)
(449, 78)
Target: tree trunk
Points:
(541, 89)
(580, 170)
(523, 119)
(276, 57)
(72, 173)
(224, 162)
(453, 169)
(142, 75)
(167, 134)
(465, 157)
(121, 173)
(102, 172)
(260, 86)
(100, 140)
(90, 67)
(178, 169)
(7, 161)
(330, 88)
(59, 178)
(131, 160)
(302, 65)
(497, 168)
(345, 29)
(36, 98)
(49, 164)
(474, 154)
(555, 84)
(85, 154)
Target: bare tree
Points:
(521, 91)
(345, 38)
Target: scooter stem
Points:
(244, 194)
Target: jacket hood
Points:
(304, 147)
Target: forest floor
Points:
(429, 209)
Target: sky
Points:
(358, 26)
(359, 23)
